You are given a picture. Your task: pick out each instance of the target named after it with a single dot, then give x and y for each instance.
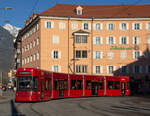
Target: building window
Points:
(28, 47)
(124, 69)
(123, 55)
(81, 39)
(84, 69)
(81, 53)
(136, 40)
(85, 26)
(110, 69)
(97, 55)
(124, 40)
(37, 56)
(137, 26)
(84, 53)
(110, 26)
(34, 43)
(81, 68)
(22, 61)
(97, 41)
(49, 24)
(62, 25)
(98, 26)
(137, 69)
(74, 26)
(56, 68)
(55, 54)
(34, 56)
(22, 49)
(79, 12)
(31, 58)
(111, 40)
(98, 69)
(124, 26)
(28, 59)
(55, 39)
(38, 41)
(25, 60)
(110, 55)
(78, 68)
(148, 69)
(148, 26)
(148, 40)
(31, 45)
(136, 54)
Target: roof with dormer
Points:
(99, 11)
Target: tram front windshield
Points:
(27, 83)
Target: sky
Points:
(23, 9)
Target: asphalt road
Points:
(91, 106)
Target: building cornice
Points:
(94, 19)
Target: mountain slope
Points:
(12, 29)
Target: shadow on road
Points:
(14, 111)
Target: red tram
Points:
(39, 85)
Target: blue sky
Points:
(22, 9)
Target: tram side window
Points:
(56, 85)
(49, 84)
(46, 84)
(65, 85)
(117, 84)
(101, 85)
(76, 84)
(128, 85)
(110, 84)
(88, 84)
(35, 83)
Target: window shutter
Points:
(52, 68)
(114, 40)
(101, 26)
(94, 55)
(89, 26)
(52, 24)
(101, 69)
(107, 40)
(120, 40)
(127, 26)
(59, 54)
(133, 26)
(94, 40)
(45, 24)
(107, 69)
(59, 68)
(127, 40)
(133, 39)
(52, 53)
(127, 69)
(133, 53)
(83, 26)
(120, 26)
(133, 68)
(101, 54)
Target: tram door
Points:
(42, 89)
(61, 88)
(94, 88)
(123, 88)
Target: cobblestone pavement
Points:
(90, 106)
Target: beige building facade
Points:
(88, 44)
